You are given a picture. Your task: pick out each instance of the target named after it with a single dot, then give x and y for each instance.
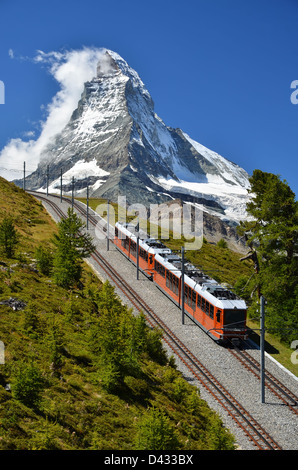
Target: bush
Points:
(138, 387)
(8, 237)
(222, 243)
(28, 386)
(155, 432)
(44, 260)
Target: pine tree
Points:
(155, 432)
(72, 246)
(272, 236)
(8, 237)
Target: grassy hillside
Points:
(66, 383)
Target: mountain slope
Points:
(52, 351)
(116, 142)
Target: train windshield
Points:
(234, 318)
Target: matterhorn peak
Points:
(116, 144)
(107, 66)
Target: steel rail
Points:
(271, 382)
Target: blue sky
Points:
(221, 70)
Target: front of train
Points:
(234, 324)
(230, 319)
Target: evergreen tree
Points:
(155, 432)
(72, 246)
(28, 385)
(44, 260)
(272, 235)
(8, 237)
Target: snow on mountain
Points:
(117, 144)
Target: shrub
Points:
(8, 237)
(155, 432)
(28, 386)
(44, 260)
(222, 243)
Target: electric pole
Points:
(87, 206)
(138, 245)
(262, 348)
(182, 285)
(61, 185)
(48, 171)
(108, 225)
(72, 192)
(24, 177)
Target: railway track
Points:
(285, 395)
(251, 428)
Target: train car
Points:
(215, 309)
(126, 241)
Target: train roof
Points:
(195, 278)
(149, 244)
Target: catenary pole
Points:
(108, 225)
(72, 192)
(87, 206)
(61, 185)
(48, 175)
(182, 285)
(24, 177)
(262, 348)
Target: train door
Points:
(151, 263)
(218, 321)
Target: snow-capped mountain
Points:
(117, 144)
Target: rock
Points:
(14, 303)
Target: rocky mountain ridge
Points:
(115, 143)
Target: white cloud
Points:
(71, 69)
(11, 53)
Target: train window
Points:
(143, 254)
(207, 308)
(234, 317)
(133, 247)
(174, 284)
(168, 279)
(160, 269)
(116, 232)
(218, 316)
(193, 300)
(185, 293)
(203, 304)
(211, 311)
(125, 243)
(189, 296)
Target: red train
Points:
(218, 311)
